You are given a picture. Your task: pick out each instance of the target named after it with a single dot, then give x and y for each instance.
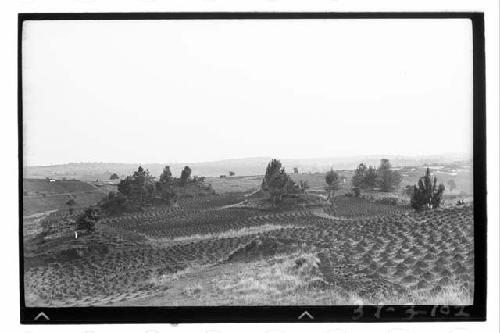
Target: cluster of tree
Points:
(383, 177)
(140, 190)
(428, 194)
(278, 184)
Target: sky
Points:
(194, 91)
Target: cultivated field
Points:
(212, 251)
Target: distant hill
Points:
(242, 167)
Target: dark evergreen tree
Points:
(358, 180)
(370, 180)
(333, 184)
(428, 194)
(138, 188)
(185, 175)
(164, 186)
(277, 182)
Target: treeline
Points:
(141, 189)
(277, 184)
(383, 177)
(426, 194)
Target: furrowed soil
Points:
(207, 251)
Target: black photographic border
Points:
(267, 314)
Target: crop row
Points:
(358, 207)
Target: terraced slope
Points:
(392, 254)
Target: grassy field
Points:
(207, 251)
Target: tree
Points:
(277, 182)
(295, 170)
(428, 194)
(185, 175)
(231, 173)
(387, 179)
(114, 176)
(451, 184)
(358, 180)
(333, 184)
(370, 177)
(166, 176)
(384, 179)
(138, 188)
(71, 202)
(125, 186)
(164, 185)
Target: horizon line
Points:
(463, 155)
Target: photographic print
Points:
(252, 162)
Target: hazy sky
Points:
(191, 91)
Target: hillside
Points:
(40, 195)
